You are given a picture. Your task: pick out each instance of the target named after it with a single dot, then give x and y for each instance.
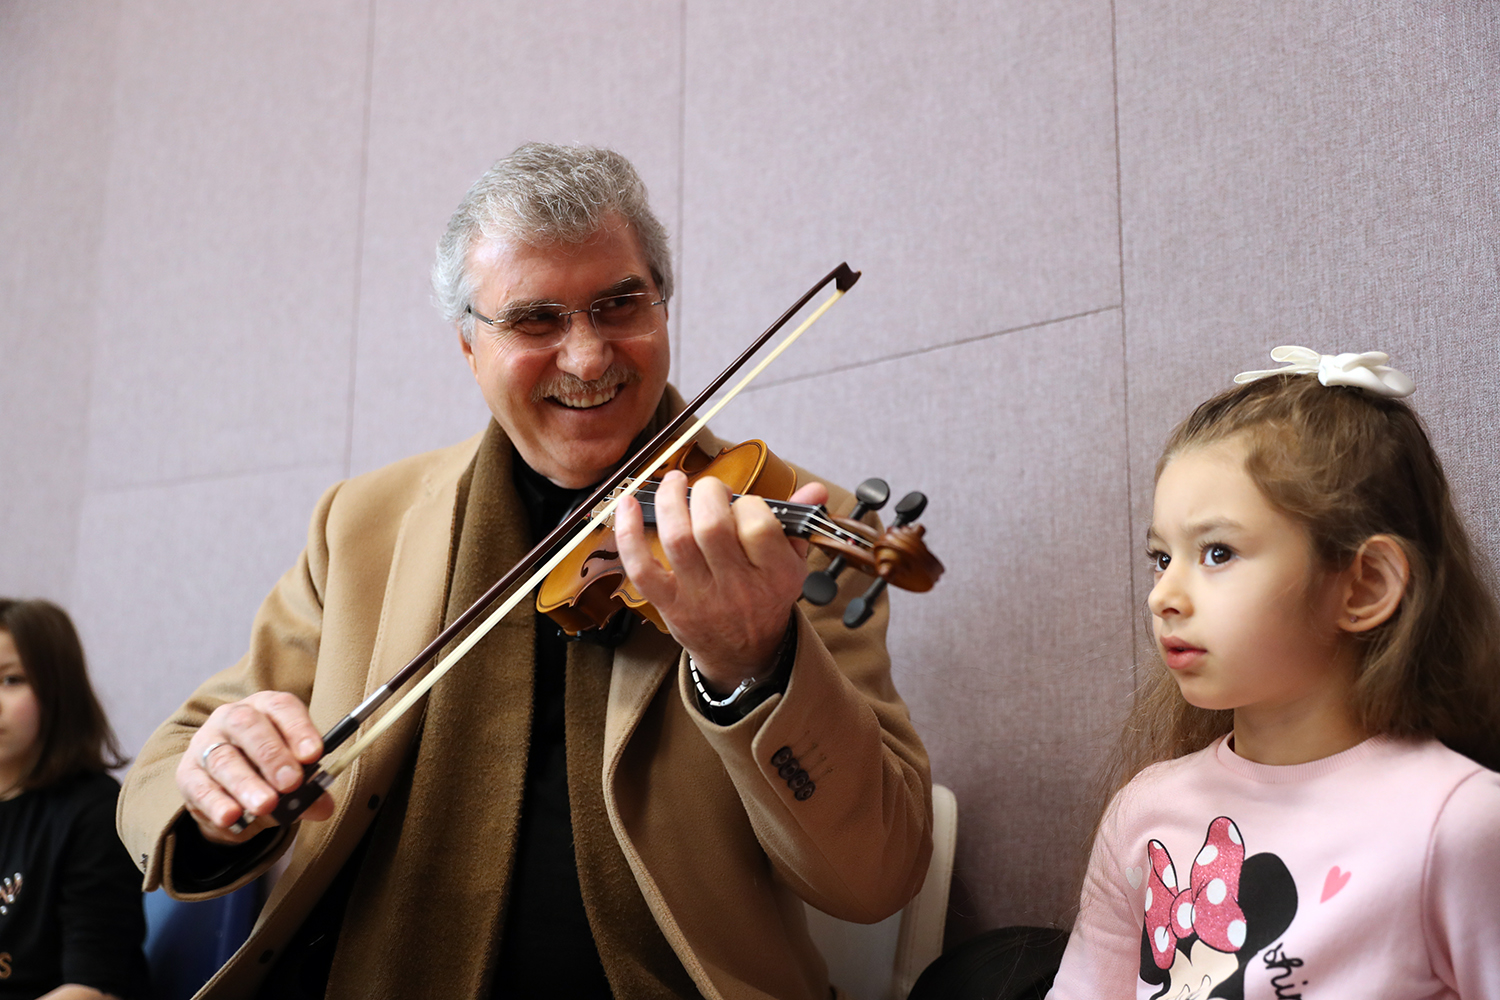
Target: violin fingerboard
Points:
(797, 519)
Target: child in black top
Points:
(71, 922)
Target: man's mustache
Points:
(563, 384)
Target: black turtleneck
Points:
(547, 948)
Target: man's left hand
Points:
(734, 575)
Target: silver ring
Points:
(210, 749)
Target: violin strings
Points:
(815, 523)
(811, 516)
(809, 513)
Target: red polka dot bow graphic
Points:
(1208, 906)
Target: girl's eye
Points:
(11, 680)
(1217, 555)
(1159, 561)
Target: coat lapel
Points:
(641, 666)
(410, 616)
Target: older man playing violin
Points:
(632, 815)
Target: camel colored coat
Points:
(723, 851)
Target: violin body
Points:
(589, 586)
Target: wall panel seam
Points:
(1114, 57)
(87, 488)
(210, 477)
(916, 352)
(682, 58)
(359, 241)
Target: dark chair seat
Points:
(1010, 963)
(187, 942)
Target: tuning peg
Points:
(861, 608)
(910, 508)
(872, 495)
(821, 586)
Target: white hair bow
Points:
(1364, 371)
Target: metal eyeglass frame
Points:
(564, 328)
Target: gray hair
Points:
(539, 195)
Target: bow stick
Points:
(295, 802)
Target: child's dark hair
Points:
(1348, 464)
(74, 734)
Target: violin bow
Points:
(610, 492)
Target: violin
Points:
(589, 586)
(890, 555)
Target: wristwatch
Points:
(752, 691)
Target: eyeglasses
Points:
(541, 326)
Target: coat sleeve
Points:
(831, 773)
(1104, 951)
(282, 657)
(1462, 911)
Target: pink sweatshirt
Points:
(1374, 873)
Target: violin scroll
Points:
(902, 559)
(894, 556)
(820, 587)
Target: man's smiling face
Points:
(573, 409)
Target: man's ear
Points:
(1374, 584)
(466, 347)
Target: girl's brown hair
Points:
(74, 734)
(1348, 464)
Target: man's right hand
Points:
(244, 757)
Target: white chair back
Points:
(882, 961)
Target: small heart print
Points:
(1335, 881)
(1134, 876)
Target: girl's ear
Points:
(1375, 582)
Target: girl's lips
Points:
(1180, 656)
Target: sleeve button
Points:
(781, 756)
(805, 792)
(797, 780)
(788, 769)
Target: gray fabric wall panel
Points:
(961, 155)
(230, 242)
(1326, 181)
(1017, 665)
(454, 86)
(54, 139)
(173, 575)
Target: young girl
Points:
(71, 922)
(1309, 809)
